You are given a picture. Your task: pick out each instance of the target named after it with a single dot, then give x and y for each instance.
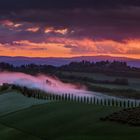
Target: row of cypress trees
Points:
(39, 94)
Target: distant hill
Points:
(17, 61)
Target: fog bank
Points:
(43, 82)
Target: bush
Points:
(129, 116)
(5, 86)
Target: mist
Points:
(50, 85)
(46, 83)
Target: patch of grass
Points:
(7, 133)
(14, 101)
(134, 83)
(125, 93)
(70, 121)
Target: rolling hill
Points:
(17, 61)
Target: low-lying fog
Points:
(48, 84)
(43, 82)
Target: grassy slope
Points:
(10, 102)
(14, 101)
(134, 83)
(7, 133)
(69, 121)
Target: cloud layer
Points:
(72, 27)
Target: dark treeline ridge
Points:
(115, 68)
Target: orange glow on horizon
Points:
(64, 47)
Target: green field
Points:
(14, 101)
(134, 83)
(8, 133)
(58, 121)
(130, 90)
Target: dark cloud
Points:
(65, 4)
(96, 19)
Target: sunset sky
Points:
(66, 28)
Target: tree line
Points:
(39, 94)
(115, 68)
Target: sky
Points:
(67, 28)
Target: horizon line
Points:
(123, 57)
